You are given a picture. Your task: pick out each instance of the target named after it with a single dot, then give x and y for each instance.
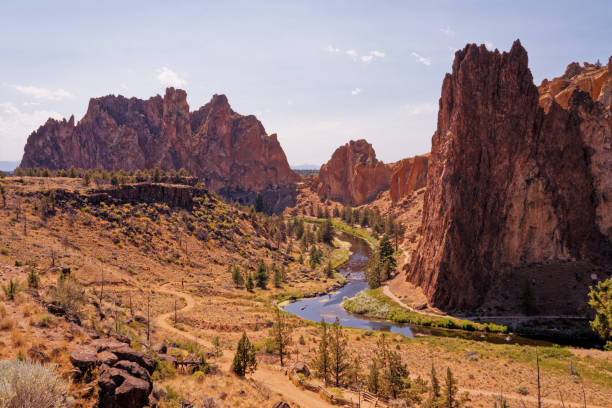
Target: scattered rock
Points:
(281, 404)
(300, 367)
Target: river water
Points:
(329, 306)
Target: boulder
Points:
(84, 358)
(301, 368)
(281, 404)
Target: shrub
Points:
(33, 278)
(43, 320)
(164, 370)
(11, 289)
(29, 384)
(522, 390)
(7, 323)
(68, 294)
(198, 376)
(4, 251)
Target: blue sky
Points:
(318, 73)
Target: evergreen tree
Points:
(329, 270)
(280, 333)
(237, 276)
(326, 233)
(434, 388)
(600, 299)
(336, 212)
(33, 279)
(373, 381)
(322, 360)
(249, 283)
(338, 352)
(374, 271)
(244, 359)
(278, 276)
(261, 275)
(450, 390)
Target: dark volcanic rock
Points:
(353, 175)
(508, 184)
(230, 152)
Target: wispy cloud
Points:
(356, 91)
(332, 50)
(377, 53)
(367, 58)
(16, 126)
(26, 104)
(41, 93)
(448, 31)
(415, 109)
(489, 45)
(168, 77)
(351, 53)
(421, 59)
(372, 55)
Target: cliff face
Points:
(409, 175)
(230, 152)
(353, 175)
(508, 185)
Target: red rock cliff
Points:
(508, 184)
(231, 152)
(353, 175)
(409, 175)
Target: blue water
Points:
(328, 307)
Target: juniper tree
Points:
(244, 359)
(261, 275)
(338, 352)
(322, 362)
(280, 333)
(450, 390)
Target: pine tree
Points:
(280, 333)
(249, 283)
(237, 276)
(322, 362)
(434, 387)
(261, 275)
(326, 233)
(450, 390)
(244, 359)
(373, 381)
(329, 270)
(338, 346)
(278, 276)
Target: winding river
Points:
(329, 306)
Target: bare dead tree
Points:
(561, 398)
(583, 394)
(53, 255)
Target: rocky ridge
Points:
(509, 183)
(230, 152)
(353, 175)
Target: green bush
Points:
(164, 370)
(198, 376)
(4, 251)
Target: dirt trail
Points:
(276, 380)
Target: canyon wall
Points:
(509, 183)
(409, 175)
(230, 152)
(353, 175)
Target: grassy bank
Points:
(347, 229)
(373, 303)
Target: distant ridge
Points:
(8, 165)
(306, 167)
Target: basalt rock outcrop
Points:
(509, 183)
(124, 374)
(353, 175)
(230, 152)
(409, 175)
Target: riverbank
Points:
(375, 304)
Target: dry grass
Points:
(7, 323)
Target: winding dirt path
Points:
(272, 378)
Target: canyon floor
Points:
(140, 262)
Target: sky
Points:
(317, 73)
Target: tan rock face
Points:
(508, 184)
(409, 175)
(353, 175)
(230, 152)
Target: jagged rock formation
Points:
(509, 185)
(230, 152)
(353, 175)
(409, 175)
